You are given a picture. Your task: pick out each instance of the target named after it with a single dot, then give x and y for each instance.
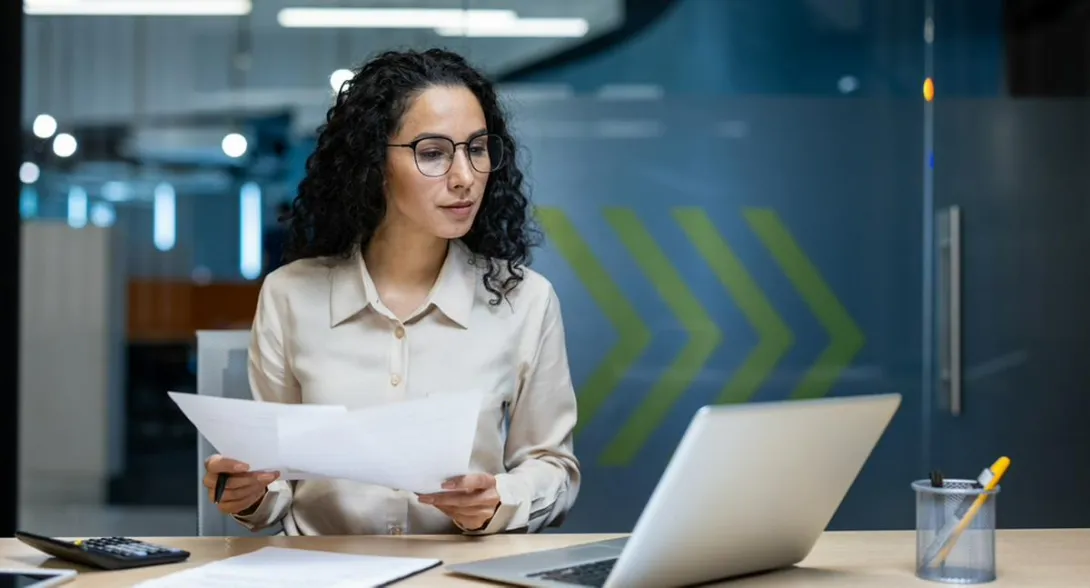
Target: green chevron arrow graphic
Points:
(774, 337)
(704, 337)
(633, 334)
(845, 338)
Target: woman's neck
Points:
(404, 259)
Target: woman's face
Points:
(421, 195)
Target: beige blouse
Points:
(321, 335)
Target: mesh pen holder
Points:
(955, 532)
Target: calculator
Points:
(106, 553)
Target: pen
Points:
(937, 481)
(221, 485)
(949, 534)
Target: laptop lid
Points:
(750, 488)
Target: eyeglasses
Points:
(435, 155)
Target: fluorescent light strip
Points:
(391, 18)
(77, 207)
(137, 7)
(250, 238)
(523, 27)
(164, 223)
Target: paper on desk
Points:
(413, 445)
(246, 430)
(275, 567)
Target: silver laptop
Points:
(749, 489)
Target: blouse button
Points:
(399, 332)
(395, 380)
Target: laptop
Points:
(750, 488)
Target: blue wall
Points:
(840, 177)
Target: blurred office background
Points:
(744, 200)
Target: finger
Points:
(242, 485)
(211, 479)
(455, 513)
(238, 483)
(246, 493)
(460, 499)
(448, 499)
(251, 478)
(470, 482)
(217, 464)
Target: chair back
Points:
(222, 370)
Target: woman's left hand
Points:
(470, 500)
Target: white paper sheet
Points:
(276, 567)
(413, 445)
(247, 430)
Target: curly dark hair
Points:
(341, 201)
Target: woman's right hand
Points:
(245, 488)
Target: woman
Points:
(409, 236)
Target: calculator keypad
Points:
(106, 553)
(124, 547)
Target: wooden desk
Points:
(1041, 559)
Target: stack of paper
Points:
(273, 567)
(413, 445)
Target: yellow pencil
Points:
(948, 536)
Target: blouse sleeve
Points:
(542, 478)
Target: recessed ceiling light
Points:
(523, 27)
(44, 126)
(64, 145)
(137, 7)
(391, 18)
(339, 78)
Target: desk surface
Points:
(1042, 559)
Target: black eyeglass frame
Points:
(412, 145)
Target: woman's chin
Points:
(454, 230)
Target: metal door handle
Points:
(949, 278)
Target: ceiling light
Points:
(250, 233)
(234, 145)
(390, 18)
(77, 207)
(138, 7)
(64, 145)
(29, 172)
(164, 223)
(523, 27)
(339, 78)
(44, 126)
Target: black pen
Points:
(221, 485)
(937, 479)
